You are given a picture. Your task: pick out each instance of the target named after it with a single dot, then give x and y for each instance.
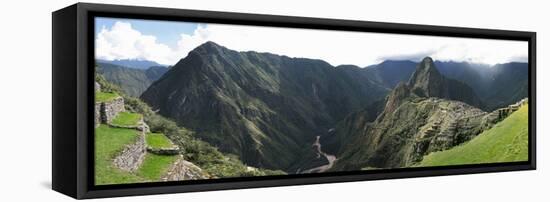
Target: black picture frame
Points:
(73, 98)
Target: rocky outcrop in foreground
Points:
(184, 170)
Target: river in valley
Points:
(330, 158)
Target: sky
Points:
(166, 42)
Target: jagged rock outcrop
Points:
(426, 81)
(184, 170)
(397, 96)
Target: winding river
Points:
(330, 158)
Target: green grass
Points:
(154, 166)
(158, 140)
(104, 97)
(507, 141)
(108, 143)
(126, 119)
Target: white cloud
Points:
(335, 47)
(124, 42)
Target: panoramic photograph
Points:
(177, 101)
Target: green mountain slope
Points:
(132, 81)
(391, 72)
(132, 63)
(509, 84)
(507, 141)
(108, 143)
(261, 107)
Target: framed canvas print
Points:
(154, 100)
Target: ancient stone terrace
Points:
(447, 126)
(107, 106)
(110, 111)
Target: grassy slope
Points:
(127, 119)
(104, 97)
(154, 166)
(158, 140)
(132, 81)
(108, 143)
(505, 142)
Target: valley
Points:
(320, 154)
(238, 114)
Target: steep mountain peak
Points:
(426, 81)
(424, 69)
(208, 47)
(197, 57)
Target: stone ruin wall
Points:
(110, 109)
(132, 156)
(97, 114)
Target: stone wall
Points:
(142, 126)
(132, 156)
(97, 114)
(500, 114)
(164, 151)
(110, 109)
(97, 87)
(173, 150)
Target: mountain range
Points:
(495, 85)
(132, 63)
(263, 107)
(269, 109)
(428, 113)
(132, 81)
